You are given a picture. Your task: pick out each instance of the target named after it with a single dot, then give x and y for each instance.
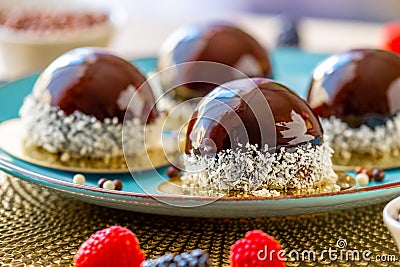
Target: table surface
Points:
(39, 228)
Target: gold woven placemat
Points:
(40, 228)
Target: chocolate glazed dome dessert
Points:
(212, 42)
(78, 104)
(256, 137)
(357, 95)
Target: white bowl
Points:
(391, 218)
(24, 52)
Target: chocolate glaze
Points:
(216, 42)
(94, 82)
(258, 111)
(358, 86)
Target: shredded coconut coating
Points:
(179, 113)
(258, 172)
(79, 135)
(377, 142)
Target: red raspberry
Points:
(111, 247)
(391, 37)
(257, 249)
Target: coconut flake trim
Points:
(79, 135)
(379, 141)
(260, 172)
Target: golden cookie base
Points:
(174, 186)
(356, 160)
(12, 142)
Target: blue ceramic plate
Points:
(292, 67)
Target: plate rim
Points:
(41, 179)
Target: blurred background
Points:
(142, 26)
(325, 26)
(367, 10)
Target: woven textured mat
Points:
(39, 228)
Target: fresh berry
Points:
(288, 34)
(391, 37)
(111, 247)
(378, 175)
(196, 258)
(257, 249)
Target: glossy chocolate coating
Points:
(255, 111)
(216, 42)
(358, 86)
(95, 82)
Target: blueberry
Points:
(197, 258)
